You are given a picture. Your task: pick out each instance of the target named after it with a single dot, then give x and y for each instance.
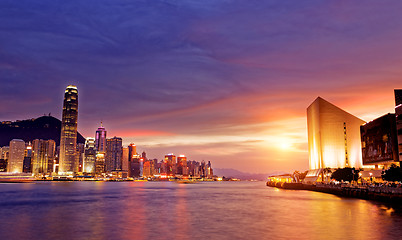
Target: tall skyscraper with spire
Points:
(100, 139)
(68, 137)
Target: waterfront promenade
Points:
(379, 192)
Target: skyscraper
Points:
(333, 136)
(68, 139)
(89, 156)
(170, 160)
(43, 152)
(114, 154)
(100, 164)
(181, 165)
(100, 139)
(16, 156)
(124, 160)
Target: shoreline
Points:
(382, 194)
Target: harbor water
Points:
(204, 210)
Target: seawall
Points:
(384, 194)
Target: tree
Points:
(345, 174)
(326, 171)
(392, 174)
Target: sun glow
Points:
(285, 145)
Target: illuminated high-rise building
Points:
(124, 160)
(68, 139)
(132, 150)
(100, 139)
(170, 160)
(4, 152)
(181, 165)
(16, 156)
(114, 154)
(100, 164)
(89, 156)
(398, 115)
(27, 166)
(43, 154)
(333, 136)
(148, 169)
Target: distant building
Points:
(100, 139)
(16, 156)
(4, 151)
(398, 115)
(3, 165)
(124, 159)
(114, 154)
(209, 170)
(80, 157)
(134, 161)
(68, 138)
(43, 154)
(148, 170)
(132, 151)
(333, 136)
(27, 165)
(170, 160)
(135, 165)
(89, 156)
(100, 164)
(181, 165)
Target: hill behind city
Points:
(45, 127)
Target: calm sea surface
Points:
(168, 210)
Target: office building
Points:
(124, 159)
(43, 155)
(181, 168)
(4, 151)
(100, 164)
(148, 169)
(27, 165)
(170, 160)
(100, 139)
(89, 156)
(114, 152)
(16, 156)
(333, 136)
(135, 166)
(68, 138)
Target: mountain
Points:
(233, 173)
(46, 127)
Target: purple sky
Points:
(226, 81)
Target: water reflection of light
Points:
(181, 213)
(133, 212)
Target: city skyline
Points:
(222, 81)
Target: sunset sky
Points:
(225, 81)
